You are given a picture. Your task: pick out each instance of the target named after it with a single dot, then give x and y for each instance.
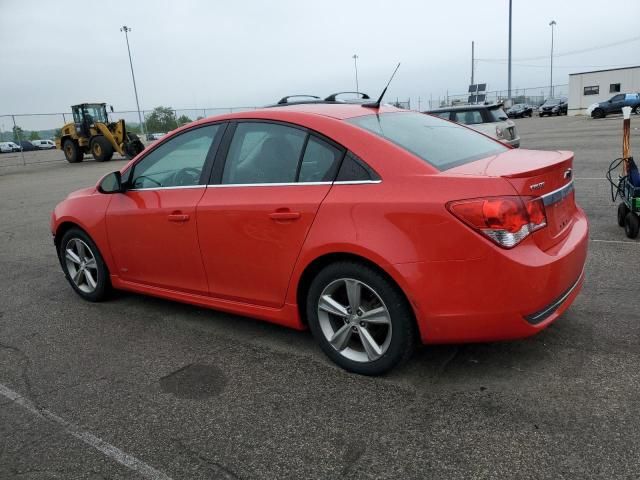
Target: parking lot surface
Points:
(140, 387)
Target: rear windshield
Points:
(440, 143)
(497, 114)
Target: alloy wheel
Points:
(81, 265)
(354, 320)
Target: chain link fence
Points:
(33, 126)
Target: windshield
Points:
(98, 113)
(440, 143)
(552, 101)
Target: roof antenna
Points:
(376, 104)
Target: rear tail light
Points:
(504, 220)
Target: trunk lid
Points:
(534, 173)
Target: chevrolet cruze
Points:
(376, 228)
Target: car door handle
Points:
(279, 216)
(178, 217)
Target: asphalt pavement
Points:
(138, 387)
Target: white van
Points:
(43, 144)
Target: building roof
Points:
(605, 70)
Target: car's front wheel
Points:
(83, 265)
(360, 318)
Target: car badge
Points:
(537, 186)
(568, 173)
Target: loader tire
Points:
(72, 151)
(101, 149)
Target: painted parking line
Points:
(614, 241)
(106, 448)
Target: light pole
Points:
(355, 64)
(509, 67)
(552, 24)
(126, 31)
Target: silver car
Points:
(488, 119)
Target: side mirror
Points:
(111, 107)
(111, 183)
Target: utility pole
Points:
(472, 60)
(509, 82)
(126, 31)
(552, 24)
(355, 64)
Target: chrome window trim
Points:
(355, 182)
(164, 188)
(282, 184)
(557, 195)
(290, 184)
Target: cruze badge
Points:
(537, 186)
(567, 173)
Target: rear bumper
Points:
(504, 295)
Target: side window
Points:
(176, 163)
(320, 161)
(263, 153)
(618, 98)
(471, 117)
(355, 170)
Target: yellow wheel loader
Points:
(91, 132)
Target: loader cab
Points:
(87, 114)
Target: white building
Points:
(587, 88)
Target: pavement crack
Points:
(224, 473)
(25, 366)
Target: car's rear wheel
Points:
(83, 265)
(72, 151)
(622, 213)
(360, 318)
(631, 225)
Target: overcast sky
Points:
(234, 53)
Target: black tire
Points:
(402, 329)
(631, 225)
(72, 151)
(101, 149)
(622, 213)
(636, 109)
(133, 146)
(100, 274)
(598, 113)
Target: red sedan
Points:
(375, 228)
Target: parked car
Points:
(488, 119)
(372, 226)
(553, 106)
(27, 146)
(8, 147)
(615, 104)
(520, 110)
(44, 144)
(155, 136)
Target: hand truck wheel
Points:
(631, 225)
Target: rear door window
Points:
(263, 153)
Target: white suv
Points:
(488, 119)
(43, 144)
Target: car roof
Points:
(339, 111)
(463, 108)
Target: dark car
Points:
(27, 146)
(615, 104)
(553, 106)
(520, 110)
